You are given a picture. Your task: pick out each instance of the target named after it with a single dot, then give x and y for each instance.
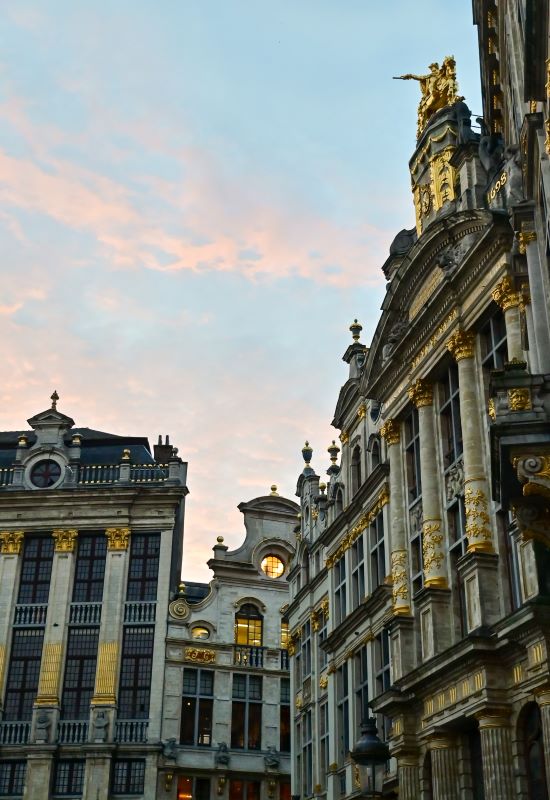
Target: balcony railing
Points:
(72, 731)
(6, 476)
(285, 663)
(148, 473)
(140, 612)
(246, 656)
(28, 614)
(98, 473)
(14, 732)
(85, 614)
(131, 730)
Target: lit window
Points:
(272, 566)
(200, 633)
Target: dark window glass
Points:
(46, 473)
(284, 716)
(362, 688)
(135, 672)
(534, 753)
(90, 568)
(355, 469)
(342, 712)
(244, 790)
(377, 553)
(129, 776)
(196, 708)
(324, 741)
(412, 456)
(68, 778)
(193, 788)
(246, 715)
(340, 605)
(382, 674)
(36, 569)
(476, 764)
(12, 778)
(23, 673)
(144, 566)
(80, 667)
(357, 572)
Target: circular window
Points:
(45, 473)
(200, 633)
(272, 566)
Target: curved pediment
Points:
(349, 394)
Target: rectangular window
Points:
(322, 635)
(306, 650)
(135, 672)
(382, 673)
(362, 688)
(36, 569)
(244, 790)
(377, 552)
(357, 572)
(342, 712)
(193, 788)
(246, 712)
(324, 743)
(412, 456)
(90, 568)
(144, 566)
(129, 776)
(451, 427)
(307, 750)
(69, 778)
(12, 778)
(340, 604)
(197, 707)
(23, 673)
(284, 716)
(494, 348)
(80, 667)
(284, 635)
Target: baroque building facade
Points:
(226, 720)
(419, 589)
(90, 553)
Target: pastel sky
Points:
(196, 197)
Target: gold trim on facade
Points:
(366, 519)
(391, 432)
(199, 655)
(65, 540)
(106, 674)
(525, 238)
(519, 399)
(400, 587)
(477, 521)
(11, 542)
(117, 538)
(461, 344)
(421, 393)
(50, 672)
(504, 295)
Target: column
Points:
(444, 768)
(480, 538)
(543, 699)
(510, 302)
(398, 541)
(541, 323)
(103, 710)
(433, 546)
(10, 547)
(408, 771)
(496, 752)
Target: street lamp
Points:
(370, 755)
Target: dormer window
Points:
(272, 566)
(45, 474)
(248, 626)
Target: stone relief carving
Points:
(43, 725)
(169, 748)
(100, 725)
(415, 518)
(221, 758)
(454, 482)
(271, 759)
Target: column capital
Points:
(65, 539)
(440, 741)
(461, 344)
(493, 718)
(117, 538)
(390, 431)
(11, 542)
(505, 296)
(525, 238)
(421, 393)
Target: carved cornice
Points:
(390, 431)
(11, 542)
(461, 344)
(65, 540)
(421, 393)
(505, 296)
(117, 538)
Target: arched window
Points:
(533, 750)
(375, 453)
(248, 626)
(339, 501)
(355, 469)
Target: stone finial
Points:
(125, 454)
(333, 451)
(322, 487)
(355, 329)
(54, 398)
(22, 440)
(219, 539)
(307, 453)
(274, 492)
(181, 588)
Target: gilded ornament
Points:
(519, 399)
(421, 393)
(434, 338)
(199, 655)
(299, 702)
(461, 344)
(11, 542)
(105, 679)
(432, 554)
(526, 237)
(323, 682)
(117, 538)
(65, 540)
(362, 411)
(547, 136)
(477, 521)
(344, 437)
(443, 178)
(504, 294)
(390, 431)
(491, 409)
(366, 519)
(439, 90)
(50, 673)
(400, 588)
(325, 607)
(315, 622)
(314, 514)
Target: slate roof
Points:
(195, 592)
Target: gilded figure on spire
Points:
(439, 89)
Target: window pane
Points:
(254, 726)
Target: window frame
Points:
(202, 702)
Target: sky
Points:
(196, 198)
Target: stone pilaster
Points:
(409, 777)
(510, 302)
(433, 545)
(496, 751)
(39, 774)
(479, 576)
(97, 776)
(48, 698)
(10, 547)
(476, 492)
(543, 699)
(444, 767)
(398, 542)
(541, 323)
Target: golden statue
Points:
(439, 89)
